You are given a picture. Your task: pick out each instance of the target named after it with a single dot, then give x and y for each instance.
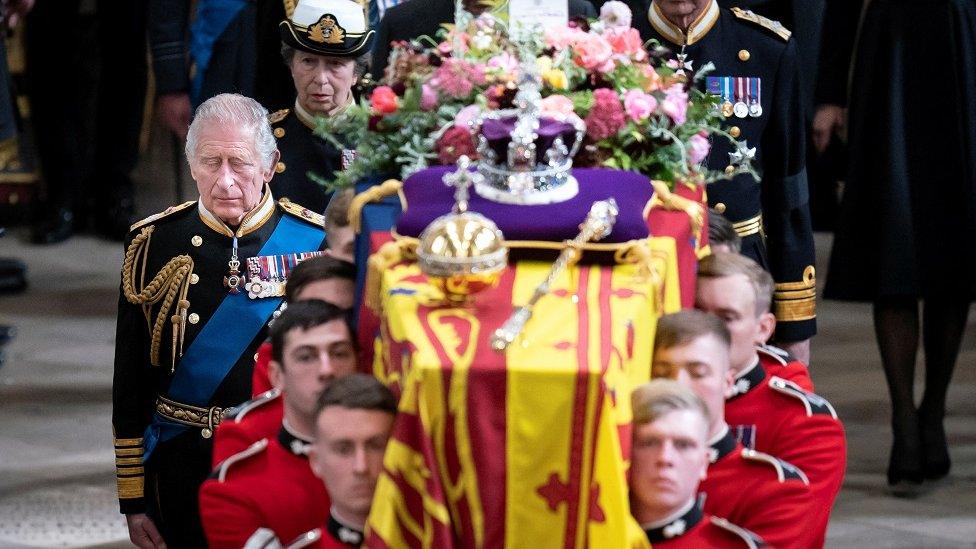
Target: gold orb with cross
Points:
(463, 252)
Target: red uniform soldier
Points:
(271, 484)
(354, 422)
(768, 408)
(670, 457)
(755, 490)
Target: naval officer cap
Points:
(337, 28)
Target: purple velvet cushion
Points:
(428, 198)
(498, 132)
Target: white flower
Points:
(615, 14)
(482, 41)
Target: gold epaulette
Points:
(301, 212)
(160, 215)
(775, 26)
(793, 301)
(278, 116)
(129, 471)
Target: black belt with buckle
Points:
(207, 419)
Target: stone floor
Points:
(56, 462)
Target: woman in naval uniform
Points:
(323, 44)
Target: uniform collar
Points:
(748, 379)
(348, 535)
(722, 445)
(308, 118)
(696, 31)
(675, 526)
(251, 222)
(293, 442)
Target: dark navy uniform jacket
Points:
(302, 152)
(742, 44)
(185, 231)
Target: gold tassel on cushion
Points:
(388, 255)
(372, 194)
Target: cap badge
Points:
(327, 31)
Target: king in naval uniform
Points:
(199, 283)
(756, 76)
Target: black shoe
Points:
(935, 448)
(13, 275)
(905, 462)
(57, 226)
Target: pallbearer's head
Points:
(354, 420)
(692, 347)
(670, 452)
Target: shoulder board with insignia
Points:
(160, 215)
(777, 354)
(237, 413)
(775, 27)
(220, 473)
(306, 539)
(751, 539)
(784, 470)
(302, 212)
(814, 403)
(278, 116)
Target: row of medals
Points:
(740, 109)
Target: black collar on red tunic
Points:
(678, 526)
(752, 378)
(722, 447)
(347, 535)
(293, 443)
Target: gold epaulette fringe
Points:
(168, 287)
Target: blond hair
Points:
(723, 264)
(655, 399)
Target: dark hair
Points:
(357, 391)
(304, 315)
(685, 326)
(721, 231)
(321, 267)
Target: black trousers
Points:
(86, 82)
(174, 474)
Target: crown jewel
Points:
(527, 158)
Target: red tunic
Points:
(779, 363)
(269, 486)
(260, 381)
(248, 423)
(777, 417)
(760, 492)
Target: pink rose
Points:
(606, 116)
(675, 103)
(559, 38)
(697, 148)
(626, 41)
(639, 105)
(593, 52)
(504, 62)
(383, 100)
(615, 14)
(557, 104)
(467, 116)
(428, 98)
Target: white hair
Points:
(234, 110)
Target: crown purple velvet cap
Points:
(427, 198)
(498, 132)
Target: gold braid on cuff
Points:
(793, 301)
